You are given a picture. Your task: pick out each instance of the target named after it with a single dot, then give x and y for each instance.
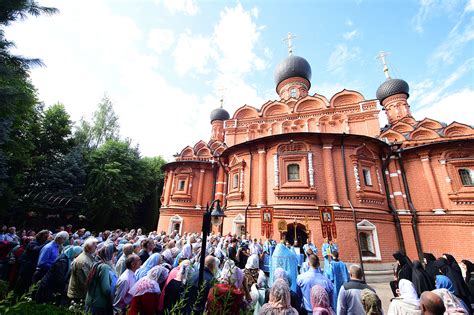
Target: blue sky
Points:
(165, 63)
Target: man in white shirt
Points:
(122, 298)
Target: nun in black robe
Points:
(404, 270)
(469, 277)
(450, 268)
(421, 279)
(430, 267)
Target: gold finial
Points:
(288, 39)
(221, 90)
(381, 56)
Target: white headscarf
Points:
(408, 292)
(231, 274)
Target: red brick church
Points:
(308, 166)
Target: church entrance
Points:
(300, 234)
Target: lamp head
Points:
(217, 215)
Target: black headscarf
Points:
(452, 263)
(421, 279)
(460, 287)
(404, 269)
(469, 271)
(430, 267)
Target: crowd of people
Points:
(126, 272)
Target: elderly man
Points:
(125, 282)
(48, 255)
(431, 304)
(80, 269)
(127, 250)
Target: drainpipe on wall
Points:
(393, 211)
(414, 213)
(250, 189)
(354, 216)
(224, 197)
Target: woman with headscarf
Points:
(421, 279)
(101, 282)
(371, 302)
(172, 274)
(146, 292)
(279, 302)
(430, 265)
(450, 268)
(258, 291)
(55, 280)
(286, 259)
(320, 301)
(251, 271)
(407, 301)
(152, 261)
(452, 304)
(229, 295)
(175, 288)
(295, 299)
(404, 270)
(443, 282)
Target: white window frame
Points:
(175, 219)
(238, 220)
(371, 229)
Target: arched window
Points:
(293, 172)
(368, 240)
(467, 176)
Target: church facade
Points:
(307, 166)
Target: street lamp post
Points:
(212, 216)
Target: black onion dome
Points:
(219, 114)
(391, 87)
(293, 66)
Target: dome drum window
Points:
(467, 176)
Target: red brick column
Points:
(433, 188)
(200, 188)
(168, 188)
(329, 175)
(262, 177)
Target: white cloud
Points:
(188, 7)
(340, 56)
(160, 40)
(423, 12)
(349, 23)
(192, 53)
(430, 93)
(461, 34)
(450, 108)
(350, 35)
(89, 52)
(469, 6)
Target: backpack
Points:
(93, 274)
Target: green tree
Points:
(19, 108)
(116, 183)
(104, 126)
(55, 134)
(148, 210)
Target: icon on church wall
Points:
(327, 217)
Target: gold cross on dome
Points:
(381, 56)
(288, 39)
(221, 92)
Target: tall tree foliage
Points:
(104, 126)
(148, 211)
(18, 106)
(116, 183)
